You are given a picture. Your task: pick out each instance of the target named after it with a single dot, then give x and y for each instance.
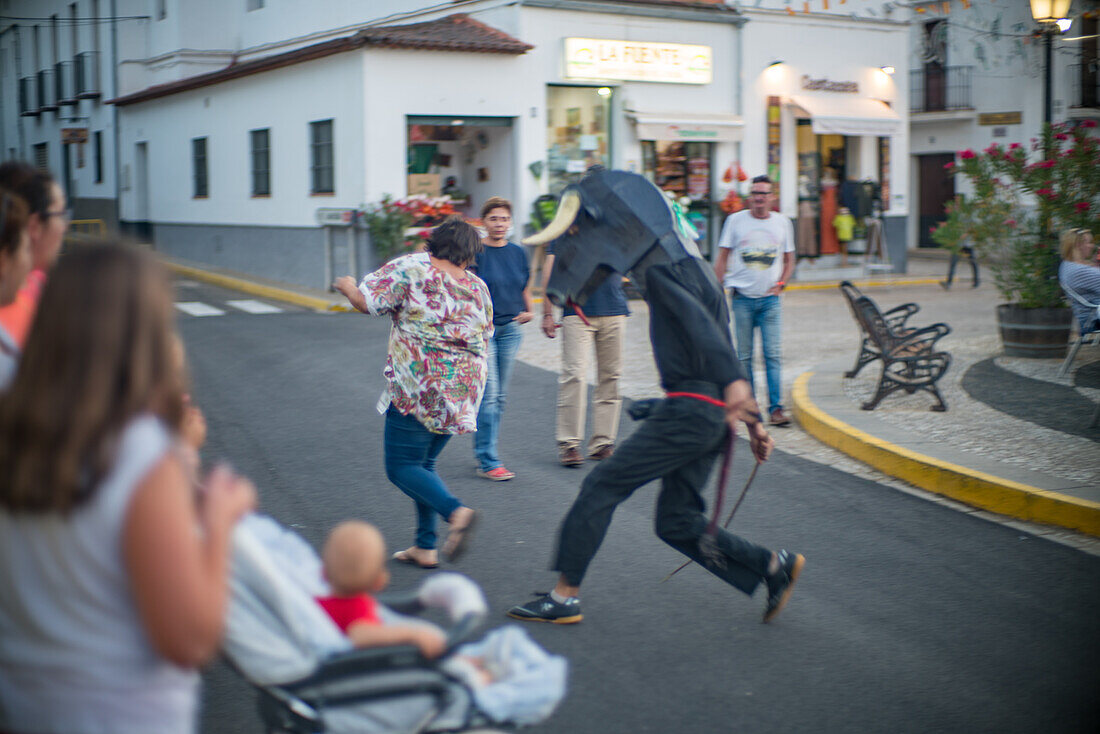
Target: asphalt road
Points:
(909, 617)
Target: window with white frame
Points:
(261, 161)
(322, 178)
(200, 189)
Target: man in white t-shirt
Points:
(762, 245)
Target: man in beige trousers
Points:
(606, 311)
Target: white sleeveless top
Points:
(74, 656)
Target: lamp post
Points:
(1048, 13)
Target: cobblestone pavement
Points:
(818, 328)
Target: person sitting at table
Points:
(1080, 271)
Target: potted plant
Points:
(400, 226)
(1012, 218)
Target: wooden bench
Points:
(909, 358)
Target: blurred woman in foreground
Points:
(111, 598)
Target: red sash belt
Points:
(696, 396)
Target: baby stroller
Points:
(310, 679)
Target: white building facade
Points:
(825, 113)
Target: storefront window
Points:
(577, 134)
(684, 170)
(466, 158)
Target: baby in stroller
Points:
(390, 672)
(354, 564)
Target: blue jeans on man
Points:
(502, 357)
(750, 314)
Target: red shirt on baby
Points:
(347, 610)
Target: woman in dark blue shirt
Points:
(503, 266)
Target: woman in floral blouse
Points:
(435, 372)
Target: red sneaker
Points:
(500, 474)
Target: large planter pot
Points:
(1039, 333)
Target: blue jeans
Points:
(764, 313)
(502, 356)
(411, 451)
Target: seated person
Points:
(1080, 270)
(353, 561)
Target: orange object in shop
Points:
(829, 243)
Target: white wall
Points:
(835, 47)
(285, 101)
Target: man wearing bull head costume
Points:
(613, 221)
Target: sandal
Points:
(403, 556)
(458, 540)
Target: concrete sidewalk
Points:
(1001, 450)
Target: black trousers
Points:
(677, 443)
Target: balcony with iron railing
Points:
(28, 97)
(46, 99)
(940, 89)
(1084, 82)
(64, 84)
(86, 68)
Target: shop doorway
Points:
(467, 158)
(684, 170)
(823, 166)
(937, 188)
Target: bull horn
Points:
(567, 211)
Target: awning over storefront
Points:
(704, 127)
(844, 115)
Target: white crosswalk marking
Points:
(251, 306)
(197, 308)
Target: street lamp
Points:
(1048, 13)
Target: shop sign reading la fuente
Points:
(828, 85)
(645, 61)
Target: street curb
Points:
(970, 486)
(247, 286)
(827, 284)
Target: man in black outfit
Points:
(682, 435)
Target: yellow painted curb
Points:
(826, 284)
(264, 291)
(973, 487)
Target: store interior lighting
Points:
(604, 91)
(1063, 24)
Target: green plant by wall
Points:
(390, 220)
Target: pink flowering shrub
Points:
(390, 220)
(1017, 208)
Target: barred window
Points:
(198, 168)
(261, 161)
(322, 169)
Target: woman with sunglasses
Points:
(15, 263)
(46, 226)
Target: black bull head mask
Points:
(609, 221)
